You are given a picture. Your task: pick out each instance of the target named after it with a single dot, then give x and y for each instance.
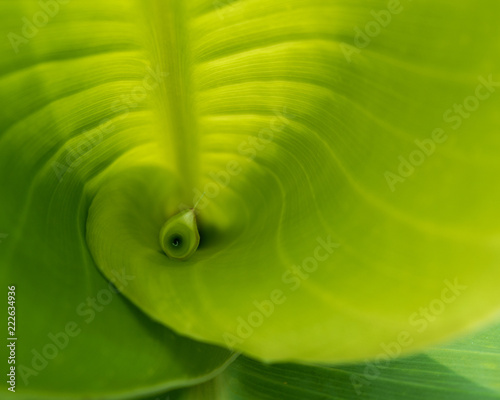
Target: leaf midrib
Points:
(168, 41)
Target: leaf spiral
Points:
(179, 236)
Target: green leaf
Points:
(463, 370)
(294, 146)
(77, 337)
(476, 358)
(116, 115)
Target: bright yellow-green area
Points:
(348, 152)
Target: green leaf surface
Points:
(77, 337)
(117, 114)
(467, 369)
(294, 147)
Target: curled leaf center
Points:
(179, 236)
